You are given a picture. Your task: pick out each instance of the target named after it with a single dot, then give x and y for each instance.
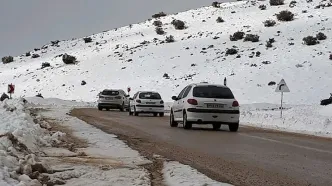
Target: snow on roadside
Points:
(101, 144)
(115, 152)
(16, 123)
(306, 119)
(117, 163)
(179, 174)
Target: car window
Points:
(149, 95)
(213, 92)
(185, 94)
(181, 93)
(110, 92)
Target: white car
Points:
(205, 103)
(146, 102)
(113, 99)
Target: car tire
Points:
(122, 107)
(155, 114)
(233, 127)
(186, 124)
(135, 113)
(108, 109)
(172, 122)
(100, 108)
(216, 126)
(161, 114)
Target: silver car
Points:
(113, 99)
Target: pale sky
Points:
(28, 24)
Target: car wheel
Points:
(155, 114)
(135, 113)
(129, 111)
(216, 126)
(100, 108)
(186, 124)
(122, 107)
(172, 122)
(108, 109)
(161, 114)
(233, 127)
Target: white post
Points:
(282, 95)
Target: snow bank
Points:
(178, 174)
(21, 125)
(306, 119)
(15, 120)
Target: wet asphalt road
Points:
(249, 157)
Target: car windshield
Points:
(110, 92)
(149, 95)
(213, 92)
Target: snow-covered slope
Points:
(119, 59)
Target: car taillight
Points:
(235, 104)
(192, 101)
(161, 102)
(118, 97)
(138, 101)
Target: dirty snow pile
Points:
(137, 56)
(312, 120)
(20, 140)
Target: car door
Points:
(177, 109)
(183, 100)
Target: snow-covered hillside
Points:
(136, 56)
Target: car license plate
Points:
(150, 103)
(214, 106)
(109, 98)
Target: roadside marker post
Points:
(11, 90)
(282, 87)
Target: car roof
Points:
(112, 90)
(147, 91)
(208, 84)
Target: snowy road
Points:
(249, 157)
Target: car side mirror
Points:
(131, 99)
(175, 98)
(127, 95)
